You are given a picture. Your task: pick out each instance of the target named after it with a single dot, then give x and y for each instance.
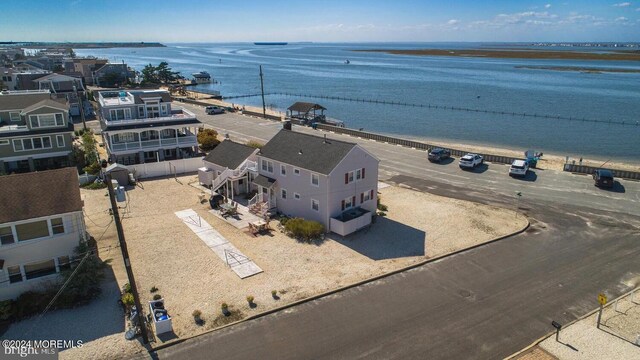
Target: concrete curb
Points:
(543, 338)
(331, 292)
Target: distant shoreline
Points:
(589, 70)
(515, 54)
(83, 45)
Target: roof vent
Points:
(300, 152)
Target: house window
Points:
(14, 116)
(27, 144)
(120, 114)
(365, 196)
(283, 193)
(296, 196)
(17, 145)
(46, 120)
(57, 226)
(141, 112)
(358, 174)
(124, 137)
(315, 205)
(14, 274)
(4, 142)
(164, 108)
(283, 170)
(296, 171)
(267, 166)
(315, 180)
(348, 203)
(39, 269)
(64, 263)
(6, 236)
(60, 140)
(32, 230)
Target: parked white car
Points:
(212, 110)
(519, 168)
(470, 161)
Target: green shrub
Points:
(250, 299)
(126, 288)
(128, 299)
(31, 303)
(93, 168)
(153, 289)
(255, 144)
(382, 207)
(94, 185)
(7, 309)
(157, 297)
(304, 230)
(196, 313)
(224, 306)
(208, 139)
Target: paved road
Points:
(481, 304)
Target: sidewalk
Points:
(615, 339)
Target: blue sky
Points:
(320, 21)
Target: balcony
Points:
(155, 143)
(176, 114)
(13, 128)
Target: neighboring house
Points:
(35, 132)
(142, 126)
(326, 180)
(232, 167)
(64, 87)
(111, 75)
(84, 67)
(39, 230)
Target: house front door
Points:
(272, 198)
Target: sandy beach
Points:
(548, 161)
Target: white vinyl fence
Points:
(164, 168)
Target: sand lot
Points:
(166, 254)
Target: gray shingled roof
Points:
(306, 151)
(229, 154)
(162, 94)
(21, 101)
(47, 102)
(37, 194)
(264, 181)
(305, 107)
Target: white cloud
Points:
(621, 19)
(547, 6)
(453, 22)
(622, 4)
(638, 9)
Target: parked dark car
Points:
(603, 178)
(438, 154)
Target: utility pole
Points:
(127, 262)
(264, 109)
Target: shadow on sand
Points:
(385, 239)
(100, 318)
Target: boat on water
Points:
(270, 43)
(201, 77)
(347, 62)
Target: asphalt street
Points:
(485, 303)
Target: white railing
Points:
(135, 145)
(184, 115)
(220, 179)
(8, 128)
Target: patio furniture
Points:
(226, 210)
